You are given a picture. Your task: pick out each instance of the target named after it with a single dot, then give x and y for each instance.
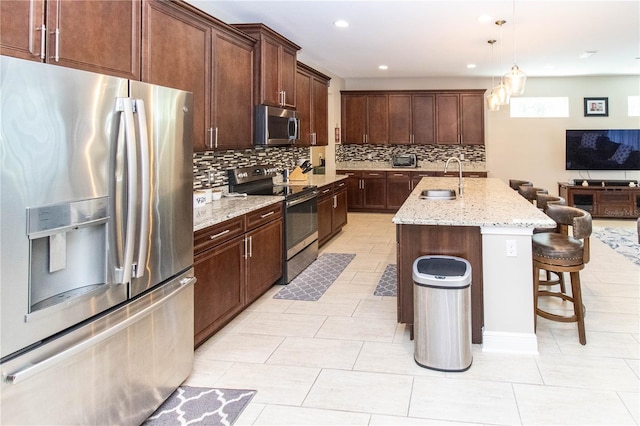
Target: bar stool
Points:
(531, 192)
(560, 252)
(515, 183)
(542, 200)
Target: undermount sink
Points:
(438, 194)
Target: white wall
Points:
(524, 148)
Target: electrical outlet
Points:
(511, 248)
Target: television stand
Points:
(613, 200)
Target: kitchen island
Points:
(490, 226)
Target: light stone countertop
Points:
(467, 166)
(317, 180)
(227, 208)
(485, 202)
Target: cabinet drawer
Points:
(325, 191)
(264, 215)
(216, 234)
(426, 173)
(399, 175)
(337, 186)
(374, 175)
(350, 173)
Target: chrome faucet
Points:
(460, 184)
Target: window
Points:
(523, 107)
(634, 106)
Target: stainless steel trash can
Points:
(442, 313)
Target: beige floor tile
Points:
(321, 353)
(366, 329)
(631, 400)
(588, 372)
(379, 420)
(281, 324)
(361, 392)
(392, 358)
(249, 414)
(325, 306)
(550, 405)
(601, 344)
(241, 347)
(366, 278)
(275, 384)
(497, 367)
(286, 415)
(464, 401)
(381, 308)
(348, 291)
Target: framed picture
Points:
(596, 107)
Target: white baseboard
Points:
(498, 341)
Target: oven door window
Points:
(302, 220)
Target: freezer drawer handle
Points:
(32, 370)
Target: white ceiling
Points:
(438, 38)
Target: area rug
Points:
(201, 406)
(311, 284)
(387, 286)
(623, 241)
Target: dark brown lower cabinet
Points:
(218, 300)
(332, 210)
(235, 262)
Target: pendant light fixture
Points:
(492, 98)
(501, 89)
(515, 79)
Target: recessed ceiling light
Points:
(341, 23)
(587, 54)
(484, 19)
(471, 66)
(383, 67)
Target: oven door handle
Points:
(303, 199)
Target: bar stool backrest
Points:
(579, 220)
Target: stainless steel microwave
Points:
(276, 126)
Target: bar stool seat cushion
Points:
(558, 248)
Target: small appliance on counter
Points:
(404, 160)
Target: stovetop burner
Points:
(258, 180)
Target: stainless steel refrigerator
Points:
(96, 245)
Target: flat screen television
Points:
(614, 149)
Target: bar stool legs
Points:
(575, 299)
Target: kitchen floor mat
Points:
(387, 286)
(311, 284)
(204, 406)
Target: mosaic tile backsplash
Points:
(216, 163)
(427, 153)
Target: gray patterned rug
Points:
(201, 406)
(623, 241)
(317, 278)
(387, 285)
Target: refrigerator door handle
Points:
(34, 369)
(125, 106)
(145, 177)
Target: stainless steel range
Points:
(300, 218)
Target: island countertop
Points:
(486, 202)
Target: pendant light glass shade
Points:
(515, 81)
(492, 102)
(501, 93)
(492, 99)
